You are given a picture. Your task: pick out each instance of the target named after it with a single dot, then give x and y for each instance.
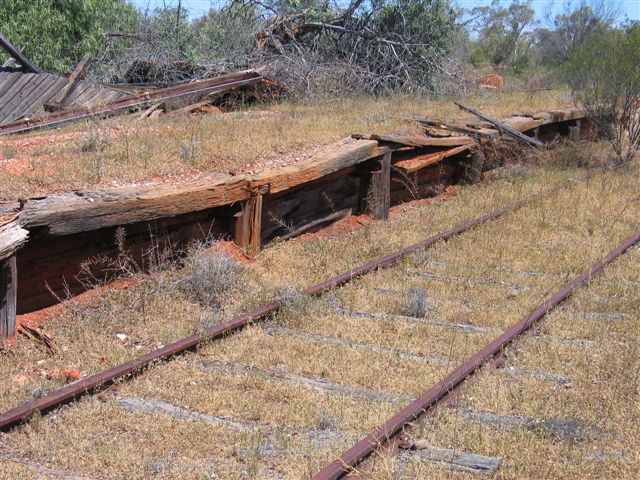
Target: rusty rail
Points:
(384, 433)
(92, 383)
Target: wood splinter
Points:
(248, 223)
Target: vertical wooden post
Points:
(8, 293)
(574, 132)
(536, 133)
(248, 225)
(472, 168)
(378, 197)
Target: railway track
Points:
(335, 381)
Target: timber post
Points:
(536, 133)
(574, 132)
(8, 296)
(378, 192)
(247, 229)
(472, 167)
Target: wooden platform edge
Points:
(93, 209)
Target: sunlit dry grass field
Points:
(176, 147)
(248, 407)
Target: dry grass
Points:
(474, 283)
(122, 151)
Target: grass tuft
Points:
(208, 274)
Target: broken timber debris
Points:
(59, 101)
(502, 126)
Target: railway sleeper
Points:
(515, 288)
(42, 471)
(316, 384)
(529, 273)
(404, 354)
(566, 429)
(597, 316)
(466, 327)
(422, 451)
(416, 451)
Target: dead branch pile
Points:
(372, 47)
(369, 47)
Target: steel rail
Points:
(222, 83)
(430, 398)
(92, 383)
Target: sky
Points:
(196, 8)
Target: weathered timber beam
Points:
(416, 450)
(86, 210)
(12, 237)
(414, 164)
(556, 427)
(17, 54)
(418, 140)
(58, 102)
(343, 154)
(423, 450)
(502, 126)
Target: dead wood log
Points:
(39, 336)
(316, 223)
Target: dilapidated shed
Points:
(27, 91)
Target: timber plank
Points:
(87, 210)
(419, 140)
(417, 163)
(341, 155)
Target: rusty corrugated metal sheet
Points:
(25, 94)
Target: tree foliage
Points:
(502, 31)
(604, 74)
(569, 30)
(54, 34)
(367, 46)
